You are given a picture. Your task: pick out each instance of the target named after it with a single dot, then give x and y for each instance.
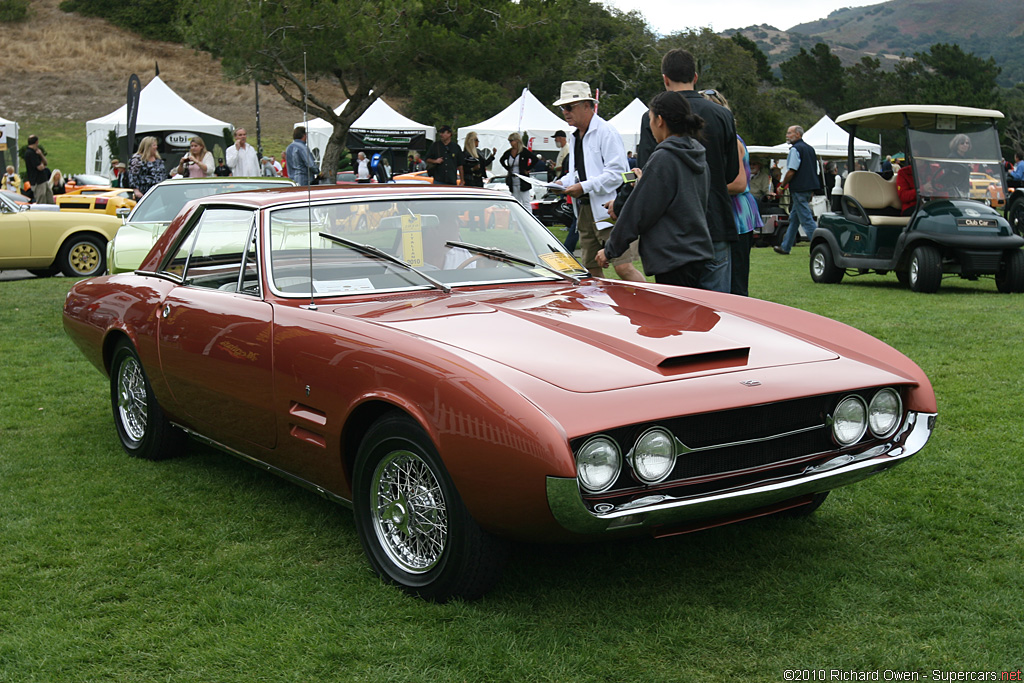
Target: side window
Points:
(216, 248)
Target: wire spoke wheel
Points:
(410, 515)
(132, 399)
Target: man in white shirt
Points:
(597, 160)
(242, 158)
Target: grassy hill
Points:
(890, 30)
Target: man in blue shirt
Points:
(802, 180)
(302, 166)
(1017, 174)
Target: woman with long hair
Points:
(198, 163)
(667, 208)
(475, 161)
(146, 168)
(518, 159)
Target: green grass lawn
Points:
(206, 569)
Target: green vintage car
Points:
(155, 211)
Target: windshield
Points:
(162, 203)
(417, 233)
(956, 160)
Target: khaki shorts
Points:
(592, 240)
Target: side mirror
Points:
(123, 212)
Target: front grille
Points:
(980, 262)
(743, 446)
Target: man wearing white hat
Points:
(597, 160)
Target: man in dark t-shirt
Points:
(444, 159)
(36, 172)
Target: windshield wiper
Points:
(503, 255)
(380, 253)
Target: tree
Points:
(947, 75)
(764, 68)
(367, 48)
(817, 75)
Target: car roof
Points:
(291, 194)
(922, 115)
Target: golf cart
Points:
(947, 232)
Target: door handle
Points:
(167, 310)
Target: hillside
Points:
(72, 67)
(988, 28)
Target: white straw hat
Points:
(574, 91)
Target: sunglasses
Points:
(709, 91)
(568, 107)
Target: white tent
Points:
(9, 137)
(627, 122)
(161, 110)
(378, 117)
(827, 137)
(525, 114)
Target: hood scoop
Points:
(704, 362)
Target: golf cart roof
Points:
(782, 151)
(920, 115)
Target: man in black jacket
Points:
(679, 72)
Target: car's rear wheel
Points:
(141, 425)
(82, 256)
(1010, 278)
(412, 523)
(823, 268)
(925, 269)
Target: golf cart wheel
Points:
(823, 268)
(925, 269)
(1015, 216)
(1010, 278)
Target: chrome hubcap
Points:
(409, 513)
(913, 270)
(131, 399)
(819, 264)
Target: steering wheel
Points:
(471, 259)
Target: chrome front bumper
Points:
(664, 510)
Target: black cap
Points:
(560, 134)
(444, 129)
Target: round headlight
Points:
(850, 420)
(598, 463)
(884, 413)
(654, 455)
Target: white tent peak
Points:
(627, 122)
(378, 116)
(160, 109)
(528, 114)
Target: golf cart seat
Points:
(874, 200)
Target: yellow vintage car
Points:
(97, 199)
(49, 242)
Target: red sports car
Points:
(459, 388)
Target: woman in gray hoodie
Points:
(667, 208)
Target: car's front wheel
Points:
(141, 425)
(1010, 278)
(1015, 216)
(412, 523)
(823, 268)
(925, 274)
(82, 256)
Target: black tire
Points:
(806, 510)
(903, 276)
(83, 256)
(925, 274)
(141, 425)
(44, 272)
(414, 528)
(1015, 215)
(1010, 278)
(823, 268)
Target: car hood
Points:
(594, 338)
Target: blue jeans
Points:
(717, 274)
(800, 214)
(572, 238)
